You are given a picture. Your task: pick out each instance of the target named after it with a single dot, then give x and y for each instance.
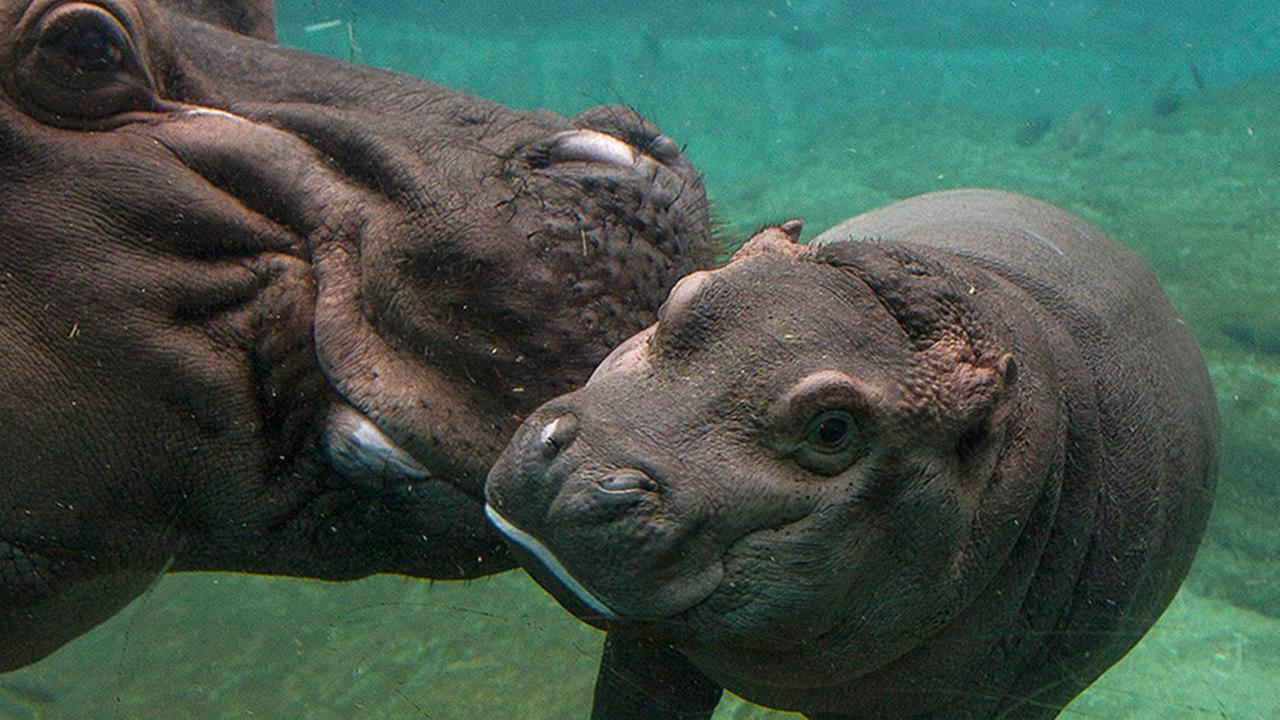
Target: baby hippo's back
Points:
(1141, 455)
(949, 463)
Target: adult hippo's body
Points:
(268, 312)
(950, 461)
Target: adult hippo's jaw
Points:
(267, 312)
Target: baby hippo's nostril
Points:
(625, 481)
(557, 434)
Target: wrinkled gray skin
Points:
(268, 312)
(951, 461)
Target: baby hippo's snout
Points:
(557, 434)
(562, 430)
(521, 481)
(545, 477)
(626, 481)
(520, 493)
(587, 519)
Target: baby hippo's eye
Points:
(826, 422)
(832, 442)
(830, 432)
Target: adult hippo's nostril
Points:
(557, 435)
(584, 145)
(593, 146)
(634, 130)
(664, 149)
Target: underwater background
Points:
(1157, 120)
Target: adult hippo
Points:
(951, 461)
(268, 312)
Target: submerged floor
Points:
(218, 646)
(786, 120)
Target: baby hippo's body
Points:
(951, 460)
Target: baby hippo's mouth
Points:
(544, 559)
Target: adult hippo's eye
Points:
(87, 49)
(82, 66)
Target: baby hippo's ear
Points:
(975, 389)
(978, 399)
(784, 238)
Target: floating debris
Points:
(1081, 133)
(320, 26)
(1196, 77)
(1031, 130)
(1166, 102)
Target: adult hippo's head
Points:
(268, 312)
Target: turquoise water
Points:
(1156, 120)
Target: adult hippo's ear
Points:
(247, 17)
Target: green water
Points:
(817, 110)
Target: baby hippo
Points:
(950, 460)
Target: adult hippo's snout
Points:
(440, 313)
(269, 312)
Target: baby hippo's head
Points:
(787, 475)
